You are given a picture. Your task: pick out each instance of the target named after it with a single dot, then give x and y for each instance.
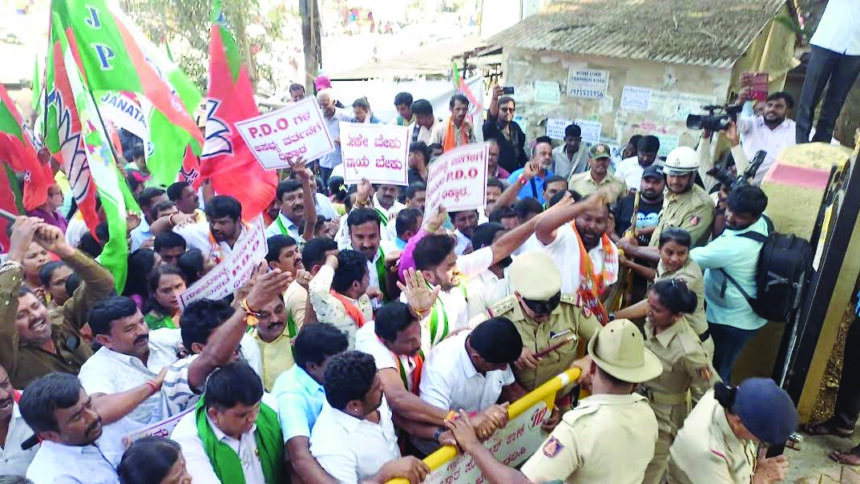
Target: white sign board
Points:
(457, 180)
(159, 429)
(511, 445)
(590, 130)
(587, 83)
(235, 270)
(555, 127)
(278, 137)
(547, 92)
(636, 98)
(378, 152)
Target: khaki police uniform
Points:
(686, 366)
(692, 211)
(706, 449)
(585, 185)
(607, 438)
(566, 320)
(691, 274)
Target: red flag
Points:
(226, 159)
(9, 206)
(190, 172)
(18, 149)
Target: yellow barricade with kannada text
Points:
(511, 445)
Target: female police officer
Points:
(718, 440)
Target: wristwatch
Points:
(611, 316)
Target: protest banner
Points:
(277, 137)
(232, 272)
(377, 152)
(159, 429)
(457, 180)
(511, 445)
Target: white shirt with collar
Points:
(108, 371)
(196, 460)
(389, 230)
(630, 171)
(486, 289)
(564, 251)
(756, 135)
(324, 207)
(450, 381)
(13, 460)
(275, 229)
(838, 29)
(352, 450)
(91, 464)
(139, 235)
(463, 242)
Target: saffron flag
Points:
(114, 56)
(18, 149)
(226, 159)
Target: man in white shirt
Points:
(14, 431)
(354, 437)
(216, 238)
(471, 371)
(129, 357)
(490, 286)
(630, 169)
(75, 447)
(232, 435)
(834, 61)
(298, 208)
(769, 132)
(465, 223)
(332, 116)
(425, 121)
(386, 205)
(364, 226)
(147, 199)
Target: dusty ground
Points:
(811, 465)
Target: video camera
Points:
(717, 119)
(730, 181)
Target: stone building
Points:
(623, 67)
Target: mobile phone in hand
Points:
(508, 90)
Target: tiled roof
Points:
(702, 32)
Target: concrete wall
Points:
(677, 91)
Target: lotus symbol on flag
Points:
(217, 133)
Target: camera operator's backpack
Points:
(784, 265)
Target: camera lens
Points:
(694, 121)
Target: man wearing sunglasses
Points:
(549, 322)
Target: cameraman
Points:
(770, 132)
(706, 157)
(731, 319)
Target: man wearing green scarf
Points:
(232, 436)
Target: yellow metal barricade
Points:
(544, 393)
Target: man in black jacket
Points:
(500, 125)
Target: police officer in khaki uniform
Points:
(597, 176)
(687, 205)
(550, 324)
(718, 440)
(609, 437)
(686, 366)
(675, 263)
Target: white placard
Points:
(590, 130)
(233, 271)
(547, 92)
(159, 429)
(555, 127)
(511, 445)
(378, 152)
(457, 180)
(279, 136)
(587, 83)
(636, 98)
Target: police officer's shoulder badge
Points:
(705, 373)
(552, 447)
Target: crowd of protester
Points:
(373, 332)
